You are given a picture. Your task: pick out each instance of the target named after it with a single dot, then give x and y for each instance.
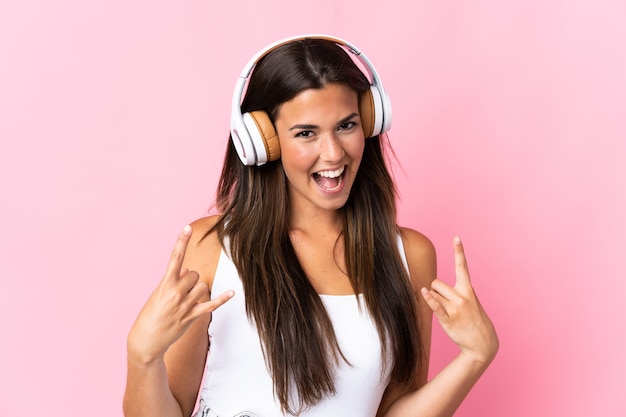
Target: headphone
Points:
(253, 133)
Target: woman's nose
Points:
(331, 149)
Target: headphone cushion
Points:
(371, 110)
(268, 134)
(366, 108)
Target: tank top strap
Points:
(401, 250)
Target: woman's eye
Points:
(304, 134)
(347, 125)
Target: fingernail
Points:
(457, 240)
(187, 230)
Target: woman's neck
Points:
(325, 222)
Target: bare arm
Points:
(466, 323)
(167, 344)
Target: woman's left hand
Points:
(460, 313)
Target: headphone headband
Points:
(249, 133)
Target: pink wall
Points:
(509, 126)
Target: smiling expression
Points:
(322, 142)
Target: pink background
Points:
(509, 129)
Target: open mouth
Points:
(330, 180)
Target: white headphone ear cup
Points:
(241, 140)
(386, 112)
(256, 140)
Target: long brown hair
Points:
(297, 335)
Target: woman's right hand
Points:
(179, 299)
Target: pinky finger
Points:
(212, 305)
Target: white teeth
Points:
(331, 174)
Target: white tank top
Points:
(237, 379)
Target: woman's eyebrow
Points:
(294, 127)
(307, 126)
(347, 119)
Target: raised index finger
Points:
(460, 264)
(178, 254)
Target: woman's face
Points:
(321, 143)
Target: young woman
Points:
(303, 296)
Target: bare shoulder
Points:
(422, 260)
(203, 250)
(421, 257)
